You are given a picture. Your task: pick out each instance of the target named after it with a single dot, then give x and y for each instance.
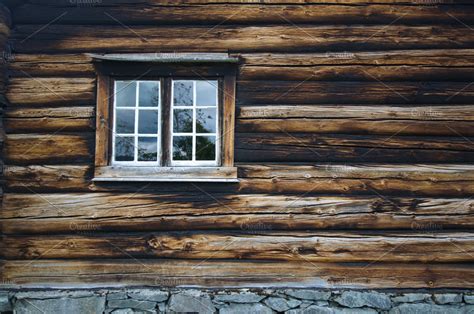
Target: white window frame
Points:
(194, 134)
(135, 134)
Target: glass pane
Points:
(148, 122)
(205, 147)
(124, 148)
(125, 93)
(182, 147)
(182, 120)
(125, 121)
(183, 93)
(206, 93)
(147, 149)
(148, 94)
(206, 120)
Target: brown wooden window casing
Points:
(165, 167)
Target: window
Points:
(173, 123)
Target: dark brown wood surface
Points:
(354, 132)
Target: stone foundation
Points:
(290, 301)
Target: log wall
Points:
(354, 147)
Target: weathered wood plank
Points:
(313, 92)
(21, 119)
(353, 112)
(414, 120)
(78, 38)
(265, 147)
(76, 65)
(48, 148)
(334, 247)
(161, 13)
(408, 120)
(416, 62)
(140, 211)
(51, 91)
(307, 147)
(422, 57)
(51, 273)
(427, 180)
(356, 73)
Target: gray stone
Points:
(133, 304)
(281, 304)
(469, 299)
(411, 297)
(162, 307)
(354, 311)
(447, 298)
(4, 302)
(423, 308)
(191, 301)
(116, 296)
(123, 311)
(247, 297)
(308, 294)
(246, 308)
(354, 299)
(60, 305)
(149, 295)
(53, 294)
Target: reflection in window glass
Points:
(125, 93)
(206, 120)
(136, 128)
(183, 93)
(125, 121)
(182, 120)
(194, 120)
(182, 147)
(148, 122)
(205, 148)
(147, 149)
(124, 148)
(149, 94)
(206, 93)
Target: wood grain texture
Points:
(375, 92)
(438, 247)
(79, 38)
(141, 211)
(307, 147)
(157, 12)
(51, 91)
(423, 180)
(214, 274)
(48, 148)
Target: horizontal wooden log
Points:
(48, 148)
(75, 38)
(76, 65)
(20, 119)
(140, 211)
(416, 62)
(157, 13)
(423, 180)
(423, 57)
(439, 247)
(51, 91)
(311, 92)
(380, 112)
(413, 120)
(307, 147)
(104, 273)
(356, 73)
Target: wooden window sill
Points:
(165, 174)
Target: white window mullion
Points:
(136, 123)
